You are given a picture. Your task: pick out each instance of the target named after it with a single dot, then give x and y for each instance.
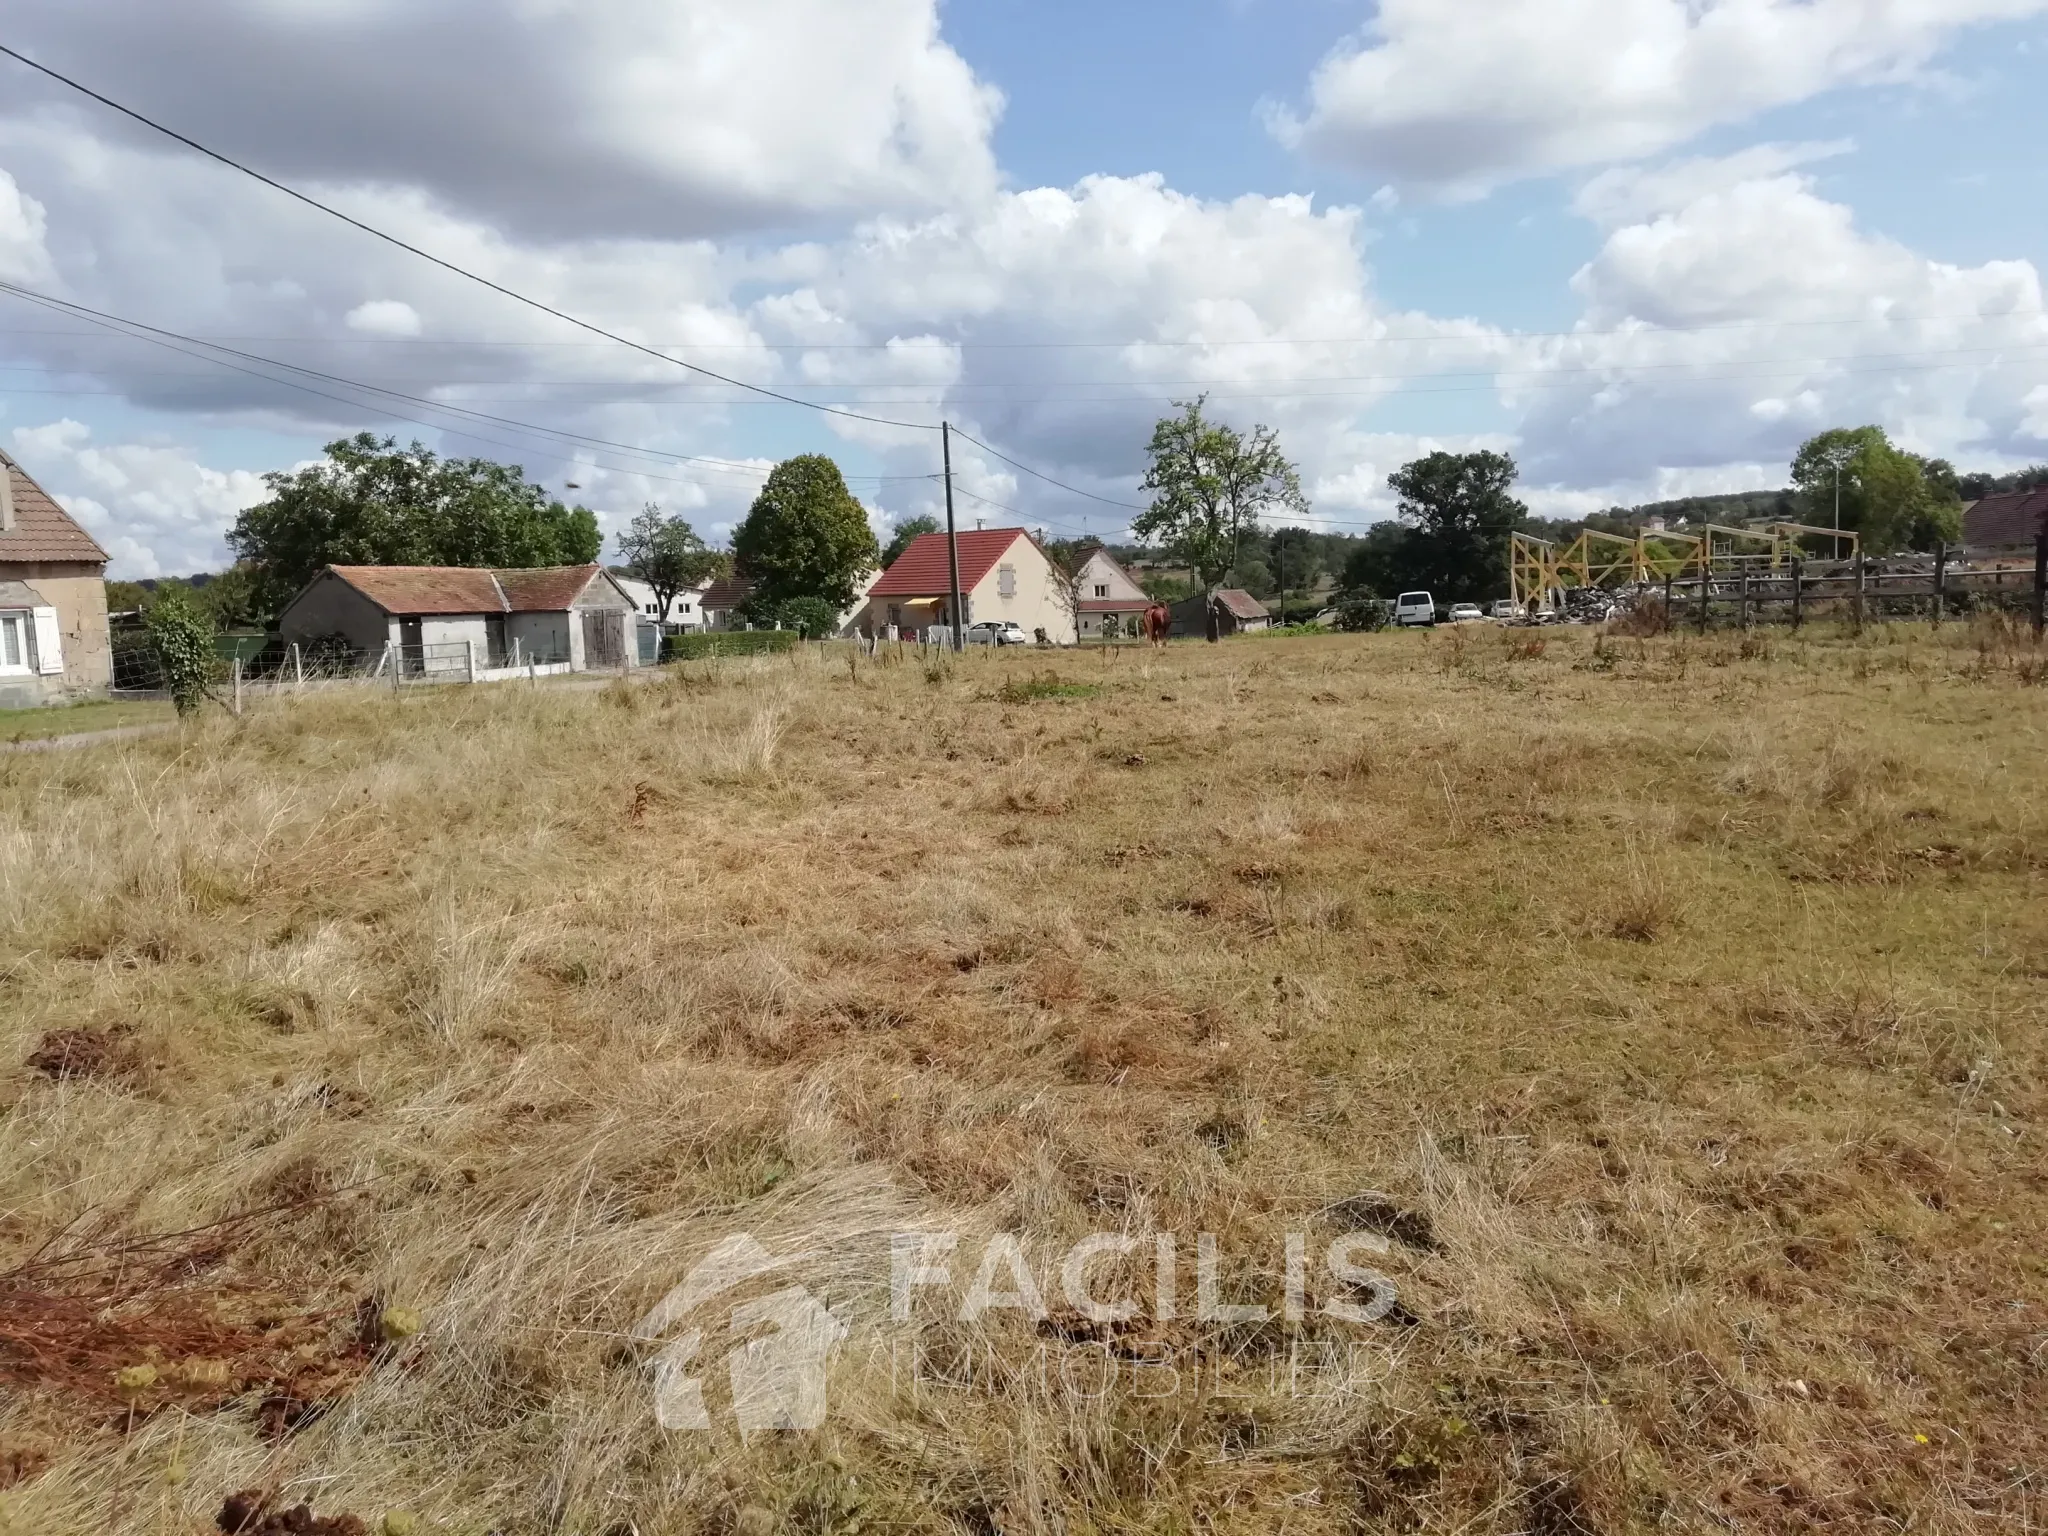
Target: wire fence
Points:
(289, 667)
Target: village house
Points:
(53, 599)
(1004, 577)
(685, 609)
(723, 600)
(1237, 613)
(1107, 592)
(432, 618)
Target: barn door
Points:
(604, 639)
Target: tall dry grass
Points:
(1672, 1010)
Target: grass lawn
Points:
(1628, 1052)
(73, 719)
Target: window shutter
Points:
(49, 641)
(1006, 581)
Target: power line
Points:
(1048, 479)
(459, 271)
(157, 336)
(1390, 338)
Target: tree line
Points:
(1220, 504)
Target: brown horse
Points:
(1158, 623)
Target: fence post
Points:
(238, 682)
(1940, 582)
(2041, 580)
(1742, 601)
(1798, 590)
(397, 666)
(1862, 586)
(298, 669)
(471, 670)
(1706, 596)
(517, 660)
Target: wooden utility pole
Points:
(952, 536)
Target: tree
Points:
(370, 502)
(1892, 498)
(666, 553)
(1210, 486)
(904, 534)
(1459, 515)
(181, 636)
(806, 536)
(1068, 557)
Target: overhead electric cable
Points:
(1129, 506)
(443, 263)
(157, 336)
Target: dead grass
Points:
(1672, 1012)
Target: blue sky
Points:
(1646, 246)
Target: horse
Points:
(1158, 623)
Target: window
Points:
(1102, 591)
(14, 641)
(1006, 581)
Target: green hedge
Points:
(737, 642)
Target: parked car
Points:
(1467, 613)
(997, 632)
(1414, 608)
(1506, 609)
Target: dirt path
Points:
(84, 738)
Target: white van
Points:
(1412, 608)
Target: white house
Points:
(435, 618)
(685, 609)
(1004, 575)
(1106, 590)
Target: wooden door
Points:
(604, 639)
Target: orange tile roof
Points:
(441, 589)
(923, 570)
(42, 531)
(549, 589)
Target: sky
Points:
(1645, 246)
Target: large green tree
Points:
(666, 553)
(805, 536)
(1210, 486)
(370, 502)
(1892, 498)
(1456, 514)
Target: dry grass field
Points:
(1671, 1010)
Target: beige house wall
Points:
(78, 593)
(1036, 604)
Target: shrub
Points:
(182, 639)
(1361, 613)
(738, 642)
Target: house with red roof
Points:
(53, 599)
(445, 618)
(1004, 578)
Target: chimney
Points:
(6, 493)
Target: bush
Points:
(182, 638)
(1361, 613)
(737, 642)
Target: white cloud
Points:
(1728, 315)
(1461, 95)
(2036, 423)
(23, 225)
(606, 118)
(155, 509)
(384, 317)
